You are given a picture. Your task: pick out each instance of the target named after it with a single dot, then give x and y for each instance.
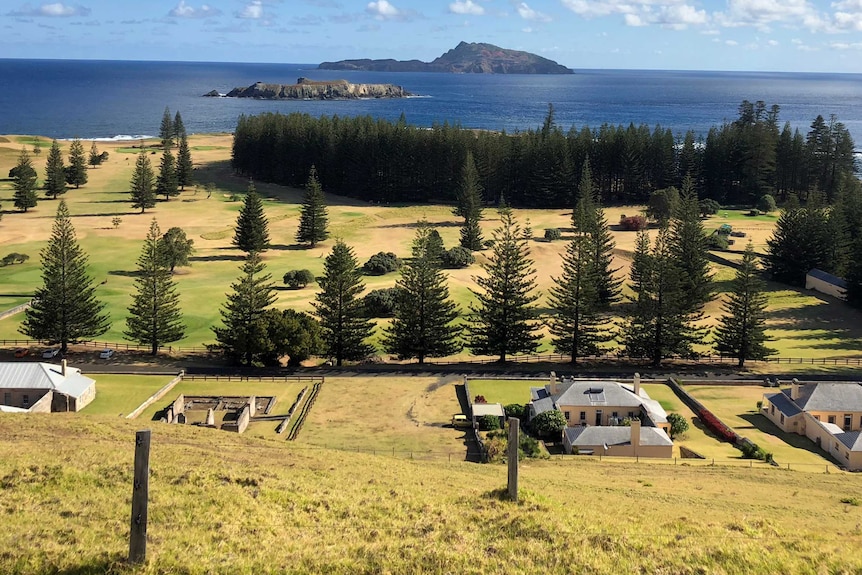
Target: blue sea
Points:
(116, 99)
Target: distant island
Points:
(306, 89)
(472, 58)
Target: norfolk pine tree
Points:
(64, 309)
(501, 322)
(469, 206)
(688, 243)
(422, 326)
(166, 182)
(142, 183)
(24, 183)
(313, 219)
(740, 332)
(178, 129)
(575, 322)
(185, 167)
(95, 157)
(166, 130)
(339, 308)
(154, 316)
(55, 172)
(77, 171)
(252, 229)
(244, 336)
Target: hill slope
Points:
(472, 58)
(222, 502)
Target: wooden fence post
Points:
(512, 455)
(140, 492)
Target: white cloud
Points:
(731, 42)
(462, 7)
(183, 10)
(383, 10)
(676, 14)
(251, 11)
(846, 45)
(54, 10)
(681, 16)
(527, 30)
(773, 42)
(634, 20)
(527, 13)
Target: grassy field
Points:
(737, 407)
(221, 502)
(804, 325)
(119, 395)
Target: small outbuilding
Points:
(33, 387)
(495, 409)
(826, 283)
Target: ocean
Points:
(116, 99)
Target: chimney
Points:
(637, 384)
(636, 434)
(794, 390)
(63, 368)
(553, 383)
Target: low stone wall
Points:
(15, 310)
(156, 396)
(241, 423)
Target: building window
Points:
(832, 419)
(848, 421)
(567, 414)
(772, 409)
(614, 414)
(631, 415)
(782, 419)
(583, 416)
(26, 400)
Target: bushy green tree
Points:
(55, 172)
(24, 183)
(293, 334)
(766, 204)
(662, 205)
(313, 218)
(741, 330)
(339, 308)
(548, 423)
(65, 308)
(252, 228)
(244, 337)
(424, 314)
(76, 173)
(298, 279)
(800, 241)
(502, 319)
(142, 185)
(678, 424)
(176, 248)
(154, 316)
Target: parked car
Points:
(22, 351)
(461, 421)
(51, 353)
(106, 354)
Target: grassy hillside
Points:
(227, 503)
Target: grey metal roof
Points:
(851, 439)
(828, 278)
(38, 375)
(542, 405)
(480, 409)
(596, 393)
(841, 397)
(538, 393)
(783, 403)
(617, 435)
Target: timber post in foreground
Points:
(140, 493)
(512, 456)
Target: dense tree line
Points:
(377, 160)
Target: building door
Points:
(7, 398)
(598, 417)
(848, 421)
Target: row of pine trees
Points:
(377, 160)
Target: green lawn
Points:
(119, 395)
(737, 407)
(504, 391)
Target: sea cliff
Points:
(306, 89)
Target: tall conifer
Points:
(95, 157)
(64, 309)
(252, 228)
(740, 332)
(166, 129)
(313, 219)
(178, 129)
(142, 184)
(76, 173)
(688, 243)
(423, 323)
(154, 316)
(502, 321)
(185, 167)
(55, 172)
(166, 181)
(469, 206)
(24, 183)
(339, 308)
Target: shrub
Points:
(851, 501)
(298, 279)
(717, 427)
(754, 451)
(488, 422)
(103, 157)
(678, 424)
(14, 258)
(380, 302)
(633, 223)
(552, 234)
(759, 405)
(753, 212)
(709, 207)
(515, 410)
(766, 204)
(717, 242)
(480, 399)
(549, 423)
(497, 442)
(381, 263)
(116, 221)
(457, 258)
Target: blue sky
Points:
(767, 35)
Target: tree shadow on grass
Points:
(224, 258)
(416, 225)
(124, 273)
(112, 564)
(289, 247)
(761, 423)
